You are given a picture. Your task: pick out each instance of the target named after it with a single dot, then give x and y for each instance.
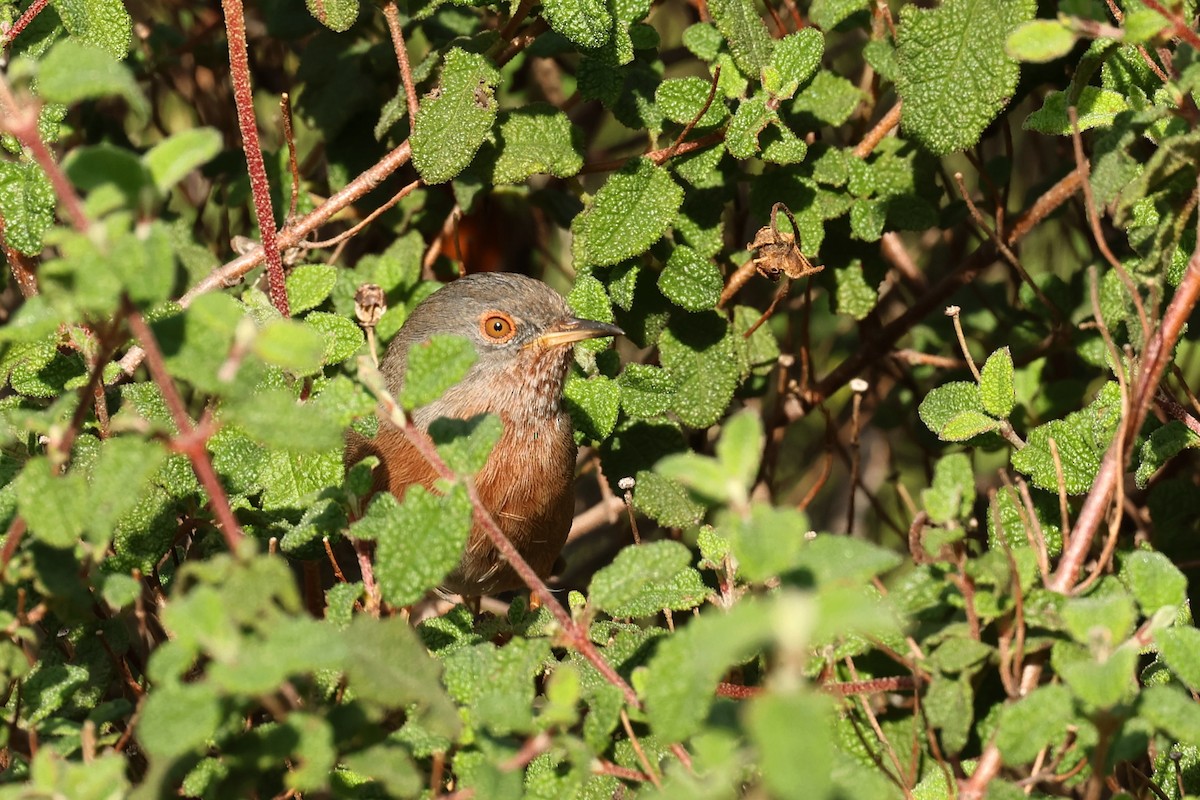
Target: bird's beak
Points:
(573, 330)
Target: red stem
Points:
(190, 440)
(239, 68)
(23, 21)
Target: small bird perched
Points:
(522, 331)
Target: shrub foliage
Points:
(915, 522)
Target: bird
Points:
(523, 333)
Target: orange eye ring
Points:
(497, 327)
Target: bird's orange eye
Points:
(497, 326)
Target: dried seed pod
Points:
(369, 304)
(777, 252)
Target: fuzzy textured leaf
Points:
(453, 121)
(954, 73)
(632, 210)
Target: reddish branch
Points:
(290, 236)
(23, 21)
(260, 188)
(191, 440)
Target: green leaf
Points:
(342, 336)
(1095, 108)
(587, 23)
(996, 387)
(435, 365)
(453, 121)
(828, 97)
(1081, 439)
(691, 281)
(795, 59)
(308, 285)
(119, 481)
(867, 218)
(1161, 446)
(537, 139)
(697, 351)
(752, 116)
(855, 297)
(703, 40)
(1171, 711)
(418, 541)
(967, 425)
(1008, 517)
(959, 654)
(828, 14)
(495, 685)
(73, 71)
(104, 23)
(740, 448)
(632, 210)
(797, 760)
(952, 495)
(1039, 719)
(1180, 648)
(55, 507)
(1100, 682)
(172, 159)
(947, 402)
(644, 579)
(337, 15)
(680, 100)
(954, 74)
(465, 444)
(1154, 580)
(593, 404)
(291, 345)
(388, 667)
(1110, 615)
(178, 718)
(704, 476)
(840, 559)
(646, 391)
(27, 203)
(749, 41)
(681, 680)
(948, 704)
(768, 543)
(1039, 41)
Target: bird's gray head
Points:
(522, 331)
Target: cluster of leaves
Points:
(171, 443)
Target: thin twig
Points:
(392, 15)
(882, 128)
(232, 271)
(367, 220)
(285, 118)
